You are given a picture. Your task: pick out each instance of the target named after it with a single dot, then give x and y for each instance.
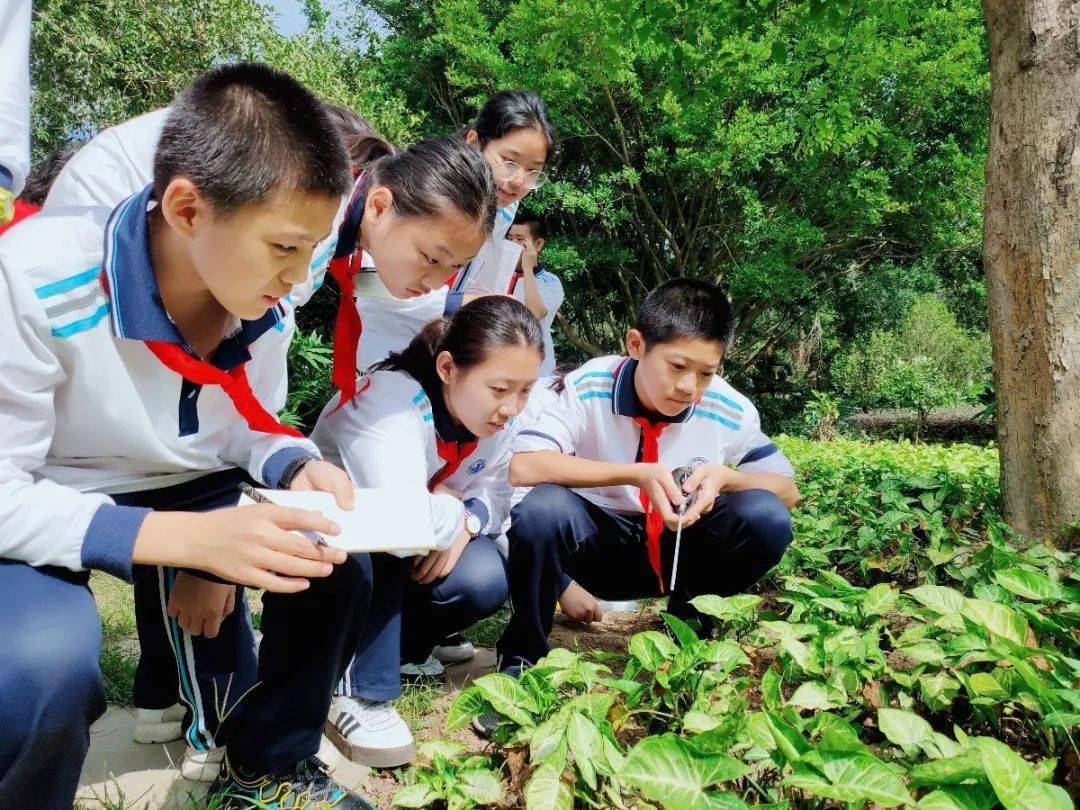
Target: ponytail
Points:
(362, 142)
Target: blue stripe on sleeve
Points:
(81, 325)
(726, 400)
(110, 539)
(540, 435)
(69, 283)
(758, 453)
(710, 415)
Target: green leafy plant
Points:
(446, 776)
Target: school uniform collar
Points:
(625, 401)
(136, 308)
(349, 230)
(445, 427)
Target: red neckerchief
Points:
(233, 382)
(654, 523)
(453, 453)
(347, 326)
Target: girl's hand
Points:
(200, 606)
(322, 476)
(438, 564)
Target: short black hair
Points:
(536, 225)
(508, 110)
(684, 309)
(241, 131)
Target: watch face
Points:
(472, 524)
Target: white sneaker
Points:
(429, 670)
(619, 606)
(370, 733)
(328, 753)
(159, 725)
(201, 765)
(454, 650)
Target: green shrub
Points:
(928, 361)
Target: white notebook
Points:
(394, 519)
(493, 268)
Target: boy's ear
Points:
(444, 365)
(635, 344)
(181, 206)
(539, 244)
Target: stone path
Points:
(120, 772)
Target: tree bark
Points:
(1031, 251)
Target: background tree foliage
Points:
(821, 160)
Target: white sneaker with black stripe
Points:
(370, 732)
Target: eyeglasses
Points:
(531, 180)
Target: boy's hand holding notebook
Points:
(393, 519)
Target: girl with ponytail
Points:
(441, 413)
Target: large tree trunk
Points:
(1031, 252)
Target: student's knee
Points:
(764, 519)
(355, 577)
(543, 513)
(50, 682)
(481, 584)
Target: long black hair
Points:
(470, 335)
(508, 110)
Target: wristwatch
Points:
(292, 469)
(472, 523)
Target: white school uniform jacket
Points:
(387, 433)
(119, 162)
(551, 293)
(111, 166)
(86, 409)
(14, 93)
(594, 419)
(391, 323)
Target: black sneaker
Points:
(485, 724)
(307, 787)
